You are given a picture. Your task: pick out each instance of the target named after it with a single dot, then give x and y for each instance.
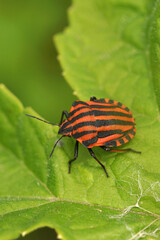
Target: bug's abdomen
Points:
(102, 122)
(114, 122)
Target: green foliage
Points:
(112, 57)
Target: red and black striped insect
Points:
(99, 122)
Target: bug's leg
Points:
(75, 157)
(120, 150)
(64, 113)
(93, 98)
(93, 155)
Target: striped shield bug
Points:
(99, 122)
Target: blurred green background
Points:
(28, 61)
(28, 57)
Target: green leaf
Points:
(36, 191)
(112, 57)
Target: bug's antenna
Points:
(41, 119)
(56, 145)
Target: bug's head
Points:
(66, 128)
